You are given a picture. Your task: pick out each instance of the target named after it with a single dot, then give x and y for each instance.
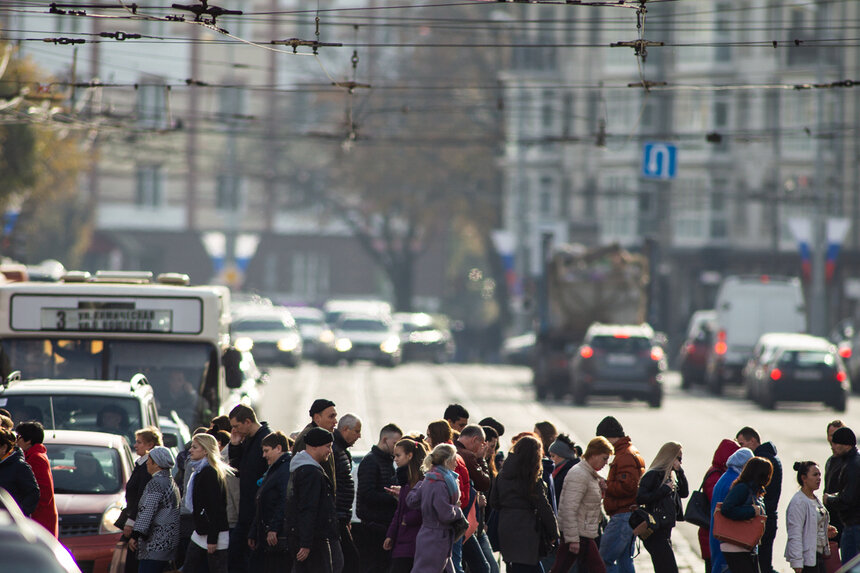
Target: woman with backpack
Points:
(660, 490)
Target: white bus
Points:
(115, 324)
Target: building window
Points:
(152, 106)
(801, 19)
(690, 210)
(619, 206)
(722, 34)
(547, 111)
(547, 197)
(228, 192)
(567, 128)
(231, 104)
(150, 185)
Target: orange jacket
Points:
(623, 480)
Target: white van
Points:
(747, 307)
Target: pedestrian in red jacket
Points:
(30, 438)
(712, 476)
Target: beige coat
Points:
(579, 508)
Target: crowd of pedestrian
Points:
(242, 497)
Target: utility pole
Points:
(818, 287)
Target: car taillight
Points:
(775, 374)
(845, 352)
(656, 354)
(721, 347)
(586, 352)
(840, 376)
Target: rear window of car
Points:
(362, 324)
(806, 358)
(624, 344)
(84, 469)
(259, 324)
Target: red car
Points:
(90, 471)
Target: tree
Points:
(39, 168)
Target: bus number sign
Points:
(107, 320)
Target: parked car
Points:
(317, 336)
(335, 308)
(807, 369)
(693, 356)
(91, 405)
(424, 337)
(367, 337)
(90, 470)
(271, 335)
(747, 307)
(27, 546)
(619, 360)
(174, 432)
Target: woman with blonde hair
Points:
(579, 511)
(437, 496)
(660, 491)
(409, 455)
(206, 498)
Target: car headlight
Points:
(327, 337)
(243, 344)
(343, 345)
(288, 344)
(391, 345)
(110, 515)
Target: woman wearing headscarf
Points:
(527, 525)
(745, 500)
(579, 511)
(718, 467)
(437, 495)
(206, 499)
(660, 490)
(155, 535)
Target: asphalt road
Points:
(412, 395)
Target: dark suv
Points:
(618, 360)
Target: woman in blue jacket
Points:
(744, 501)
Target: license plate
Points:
(807, 375)
(621, 360)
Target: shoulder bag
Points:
(746, 533)
(698, 510)
(642, 523)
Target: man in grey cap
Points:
(311, 517)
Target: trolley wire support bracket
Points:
(204, 9)
(640, 47)
(314, 45)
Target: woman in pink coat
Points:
(437, 495)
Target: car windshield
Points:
(92, 413)
(363, 325)
(626, 344)
(85, 469)
(259, 324)
(179, 372)
(308, 321)
(806, 358)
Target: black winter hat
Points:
(319, 405)
(317, 437)
(845, 437)
(609, 427)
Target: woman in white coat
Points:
(579, 511)
(807, 523)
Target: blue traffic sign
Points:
(659, 160)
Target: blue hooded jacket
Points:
(735, 464)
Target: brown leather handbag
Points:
(746, 533)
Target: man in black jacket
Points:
(749, 438)
(311, 517)
(246, 455)
(846, 503)
(347, 433)
(271, 504)
(323, 415)
(376, 503)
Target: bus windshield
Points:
(179, 372)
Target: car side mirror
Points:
(232, 372)
(170, 441)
